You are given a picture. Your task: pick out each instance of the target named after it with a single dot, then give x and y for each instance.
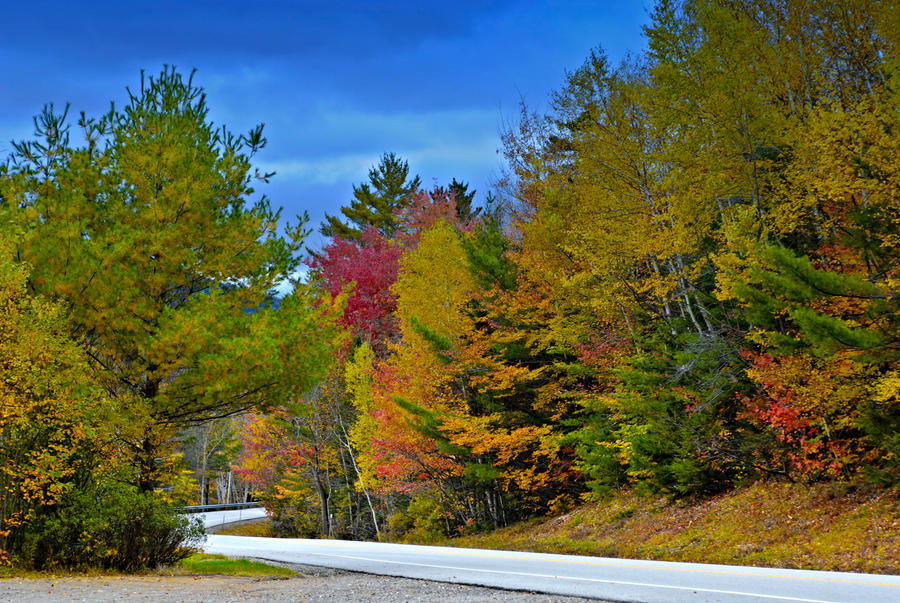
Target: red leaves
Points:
(809, 403)
(370, 266)
(266, 450)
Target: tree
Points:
(63, 502)
(208, 449)
(302, 463)
(374, 202)
(53, 420)
(370, 266)
(149, 235)
(459, 193)
(400, 398)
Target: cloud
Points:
(410, 127)
(337, 84)
(327, 170)
(436, 143)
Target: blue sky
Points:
(336, 83)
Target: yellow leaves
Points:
(433, 285)
(887, 389)
(181, 486)
(846, 158)
(51, 418)
(358, 375)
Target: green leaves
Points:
(57, 427)
(156, 241)
(375, 202)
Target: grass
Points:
(262, 527)
(7, 572)
(196, 564)
(823, 526)
(201, 563)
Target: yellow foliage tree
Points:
(56, 426)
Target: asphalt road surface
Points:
(597, 577)
(214, 519)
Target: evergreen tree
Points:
(459, 192)
(374, 202)
(148, 234)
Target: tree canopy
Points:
(150, 233)
(375, 202)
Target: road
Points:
(213, 519)
(601, 578)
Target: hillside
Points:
(824, 526)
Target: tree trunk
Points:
(325, 510)
(147, 466)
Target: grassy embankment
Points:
(197, 564)
(202, 563)
(825, 526)
(258, 527)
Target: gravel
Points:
(313, 584)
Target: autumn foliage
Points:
(367, 267)
(686, 282)
(135, 305)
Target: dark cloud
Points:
(336, 83)
(234, 29)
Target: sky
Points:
(336, 83)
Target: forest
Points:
(685, 282)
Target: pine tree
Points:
(462, 198)
(149, 235)
(459, 191)
(374, 202)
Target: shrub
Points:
(422, 521)
(113, 528)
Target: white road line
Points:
(669, 568)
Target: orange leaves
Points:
(263, 452)
(813, 407)
(529, 458)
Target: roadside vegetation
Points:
(261, 528)
(194, 564)
(823, 527)
(136, 269)
(204, 564)
(685, 284)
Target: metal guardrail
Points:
(221, 507)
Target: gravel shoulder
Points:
(312, 584)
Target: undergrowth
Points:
(202, 563)
(823, 526)
(195, 564)
(261, 528)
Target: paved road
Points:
(212, 519)
(609, 579)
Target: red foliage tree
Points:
(371, 266)
(424, 210)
